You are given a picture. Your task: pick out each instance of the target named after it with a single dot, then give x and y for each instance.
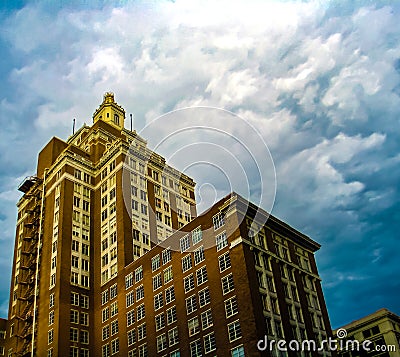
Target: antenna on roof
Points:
(131, 122)
(73, 126)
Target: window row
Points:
(80, 300)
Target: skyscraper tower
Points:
(78, 225)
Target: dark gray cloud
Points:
(320, 82)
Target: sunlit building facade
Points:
(76, 229)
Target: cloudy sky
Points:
(318, 80)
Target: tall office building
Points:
(91, 279)
(74, 233)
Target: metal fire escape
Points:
(29, 264)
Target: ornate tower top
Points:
(110, 112)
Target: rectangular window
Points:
(193, 326)
(166, 256)
(85, 264)
(112, 164)
(114, 308)
(171, 315)
(84, 336)
(224, 262)
(128, 281)
(74, 316)
(84, 319)
(204, 297)
(131, 335)
(184, 243)
(75, 246)
(168, 275)
(105, 314)
(113, 238)
(186, 263)
(84, 301)
(85, 205)
(73, 351)
(51, 318)
(139, 293)
(138, 274)
(115, 346)
(114, 327)
(234, 331)
(145, 238)
(237, 352)
(161, 342)
(77, 201)
(113, 291)
(74, 261)
(206, 319)
(104, 297)
(231, 307)
(199, 255)
(209, 343)
(158, 301)
(130, 317)
(50, 336)
(141, 332)
(86, 192)
(218, 220)
(155, 263)
(270, 283)
(160, 322)
(169, 295)
(74, 299)
(141, 313)
(113, 256)
(52, 279)
(104, 244)
(201, 275)
(195, 349)
(85, 249)
(227, 284)
(73, 334)
(130, 299)
(221, 241)
(191, 304)
(173, 336)
(197, 235)
(188, 283)
(157, 283)
(112, 193)
(105, 351)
